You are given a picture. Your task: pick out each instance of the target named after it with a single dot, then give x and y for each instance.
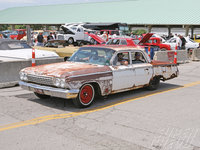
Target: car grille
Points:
(40, 79)
(60, 37)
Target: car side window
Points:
(21, 32)
(123, 42)
(137, 58)
(154, 41)
(122, 58)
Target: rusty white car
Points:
(93, 71)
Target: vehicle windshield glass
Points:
(113, 42)
(13, 45)
(46, 33)
(14, 33)
(93, 55)
(136, 41)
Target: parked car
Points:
(3, 35)
(190, 44)
(155, 41)
(59, 47)
(15, 49)
(7, 33)
(196, 38)
(121, 42)
(73, 34)
(93, 71)
(18, 34)
(129, 41)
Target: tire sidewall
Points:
(78, 101)
(71, 39)
(154, 83)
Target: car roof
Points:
(121, 38)
(118, 48)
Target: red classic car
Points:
(18, 34)
(156, 41)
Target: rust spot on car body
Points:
(161, 63)
(66, 69)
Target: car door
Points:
(123, 75)
(172, 43)
(143, 70)
(80, 34)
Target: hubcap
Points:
(86, 94)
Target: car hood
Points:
(26, 54)
(66, 69)
(145, 38)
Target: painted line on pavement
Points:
(74, 114)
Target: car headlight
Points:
(23, 76)
(57, 82)
(60, 83)
(63, 83)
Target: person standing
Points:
(50, 37)
(40, 39)
(183, 42)
(178, 42)
(54, 35)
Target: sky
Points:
(19, 3)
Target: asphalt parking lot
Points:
(167, 118)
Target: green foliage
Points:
(3, 27)
(139, 32)
(20, 27)
(37, 27)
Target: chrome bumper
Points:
(57, 92)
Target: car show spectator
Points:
(121, 60)
(178, 42)
(104, 36)
(50, 36)
(137, 58)
(40, 39)
(54, 35)
(183, 42)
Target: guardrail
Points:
(195, 54)
(182, 56)
(9, 74)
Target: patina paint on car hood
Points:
(66, 69)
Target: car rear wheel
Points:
(42, 96)
(92, 41)
(154, 83)
(85, 97)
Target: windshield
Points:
(113, 42)
(14, 33)
(136, 41)
(93, 55)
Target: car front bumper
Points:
(56, 92)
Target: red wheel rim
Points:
(86, 94)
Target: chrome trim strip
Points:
(90, 74)
(57, 92)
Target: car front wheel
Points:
(85, 96)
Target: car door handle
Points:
(146, 69)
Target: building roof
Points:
(138, 12)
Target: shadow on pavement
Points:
(114, 99)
